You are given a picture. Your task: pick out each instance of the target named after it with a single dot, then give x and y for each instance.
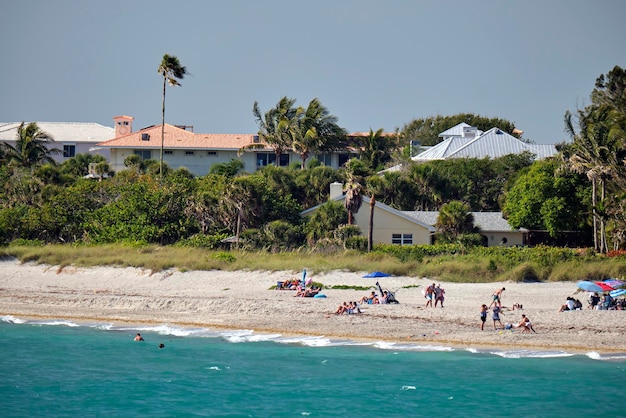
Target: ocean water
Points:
(63, 369)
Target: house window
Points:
(69, 151)
(189, 153)
(168, 152)
(326, 159)
(266, 158)
(402, 239)
(145, 137)
(343, 158)
(211, 153)
(145, 154)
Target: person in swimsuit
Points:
(430, 295)
(483, 316)
(138, 337)
(497, 298)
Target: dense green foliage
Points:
(584, 189)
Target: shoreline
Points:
(242, 300)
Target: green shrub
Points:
(224, 256)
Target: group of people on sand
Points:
(571, 304)
(496, 301)
(434, 293)
(348, 308)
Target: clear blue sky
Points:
(372, 63)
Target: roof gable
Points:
(456, 130)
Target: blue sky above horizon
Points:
(372, 63)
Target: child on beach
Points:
(495, 315)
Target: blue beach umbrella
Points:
(589, 286)
(618, 293)
(377, 274)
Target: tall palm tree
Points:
(355, 187)
(597, 153)
(172, 71)
(375, 149)
(312, 129)
(32, 147)
(274, 127)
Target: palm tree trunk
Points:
(370, 232)
(162, 130)
(603, 243)
(594, 215)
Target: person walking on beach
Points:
(483, 316)
(430, 295)
(439, 295)
(495, 315)
(497, 298)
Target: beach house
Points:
(392, 226)
(72, 138)
(198, 152)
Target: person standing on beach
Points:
(495, 315)
(439, 295)
(430, 295)
(483, 316)
(497, 298)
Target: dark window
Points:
(69, 151)
(145, 137)
(402, 239)
(267, 158)
(145, 154)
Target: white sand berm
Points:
(243, 300)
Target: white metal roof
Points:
(492, 144)
(456, 130)
(62, 131)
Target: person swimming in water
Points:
(138, 337)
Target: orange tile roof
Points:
(178, 138)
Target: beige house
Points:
(198, 152)
(393, 226)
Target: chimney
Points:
(336, 190)
(123, 125)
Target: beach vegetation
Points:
(153, 217)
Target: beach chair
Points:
(391, 296)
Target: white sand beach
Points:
(243, 300)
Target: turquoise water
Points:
(61, 369)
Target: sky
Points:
(372, 63)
